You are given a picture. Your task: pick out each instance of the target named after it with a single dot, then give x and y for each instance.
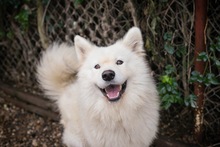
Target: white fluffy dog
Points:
(106, 95)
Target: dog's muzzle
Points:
(113, 93)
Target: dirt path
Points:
(19, 128)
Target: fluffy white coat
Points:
(68, 76)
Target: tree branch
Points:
(40, 26)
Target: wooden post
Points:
(200, 46)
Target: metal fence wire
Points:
(105, 21)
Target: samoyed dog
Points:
(106, 95)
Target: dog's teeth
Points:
(120, 87)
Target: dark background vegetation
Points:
(27, 27)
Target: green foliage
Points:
(168, 46)
(10, 34)
(213, 48)
(168, 88)
(207, 80)
(217, 62)
(152, 11)
(2, 34)
(191, 100)
(169, 69)
(168, 36)
(202, 56)
(181, 51)
(210, 79)
(77, 2)
(196, 76)
(22, 18)
(44, 2)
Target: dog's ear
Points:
(133, 39)
(82, 47)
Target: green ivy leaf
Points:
(191, 100)
(217, 63)
(200, 78)
(171, 99)
(187, 101)
(165, 98)
(168, 86)
(195, 76)
(206, 82)
(214, 81)
(212, 47)
(202, 56)
(178, 54)
(22, 18)
(210, 78)
(192, 79)
(162, 90)
(175, 84)
(44, 2)
(218, 38)
(174, 91)
(168, 36)
(165, 79)
(169, 69)
(217, 46)
(193, 97)
(210, 75)
(169, 48)
(180, 101)
(193, 104)
(161, 78)
(195, 73)
(178, 98)
(167, 105)
(182, 49)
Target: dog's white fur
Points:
(68, 76)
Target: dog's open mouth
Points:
(113, 93)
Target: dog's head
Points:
(111, 68)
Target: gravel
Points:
(20, 128)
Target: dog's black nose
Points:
(108, 75)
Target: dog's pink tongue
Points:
(112, 91)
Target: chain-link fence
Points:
(103, 22)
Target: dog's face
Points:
(110, 68)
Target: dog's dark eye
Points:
(97, 66)
(119, 62)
